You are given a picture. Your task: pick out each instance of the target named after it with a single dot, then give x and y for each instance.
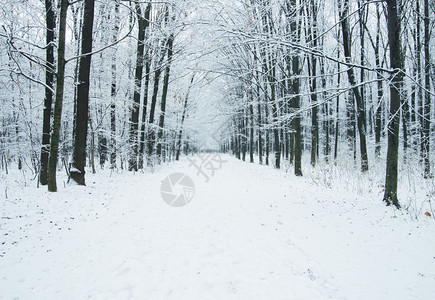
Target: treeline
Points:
(110, 83)
(331, 78)
(103, 70)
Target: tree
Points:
(143, 22)
(60, 81)
(113, 92)
(295, 32)
(394, 30)
(360, 111)
(77, 171)
(180, 133)
(50, 21)
(164, 95)
(427, 102)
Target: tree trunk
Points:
(134, 119)
(49, 80)
(251, 132)
(379, 109)
(164, 95)
(337, 111)
(144, 111)
(295, 85)
(360, 111)
(180, 133)
(60, 80)
(427, 102)
(113, 93)
(77, 171)
(394, 30)
(151, 129)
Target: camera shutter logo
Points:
(177, 189)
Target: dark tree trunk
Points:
(419, 79)
(394, 30)
(134, 119)
(164, 95)
(113, 93)
(60, 80)
(311, 36)
(295, 85)
(243, 134)
(180, 133)
(77, 171)
(277, 145)
(145, 99)
(144, 112)
(267, 132)
(259, 123)
(151, 129)
(49, 80)
(427, 102)
(251, 131)
(337, 111)
(379, 109)
(360, 111)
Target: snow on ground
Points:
(250, 232)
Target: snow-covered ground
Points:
(250, 232)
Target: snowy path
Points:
(251, 232)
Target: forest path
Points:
(250, 232)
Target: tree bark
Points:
(151, 129)
(360, 111)
(379, 109)
(113, 93)
(60, 80)
(164, 95)
(427, 102)
(77, 171)
(134, 119)
(49, 80)
(394, 30)
(180, 133)
(295, 30)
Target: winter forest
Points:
(271, 149)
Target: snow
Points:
(250, 232)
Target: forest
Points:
(127, 84)
(291, 141)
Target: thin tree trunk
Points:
(180, 133)
(259, 123)
(360, 111)
(91, 127)
(143, 23)
(379, 109)
(251, 135)
(113, 93)
(151, 129)
(427, 102)
(144, 111)
(145, 97)
(295, 85)
(164, 95)
(54, 141)
(337, 112)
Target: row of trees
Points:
(101, 67)
(326, 78)
(318, 75)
